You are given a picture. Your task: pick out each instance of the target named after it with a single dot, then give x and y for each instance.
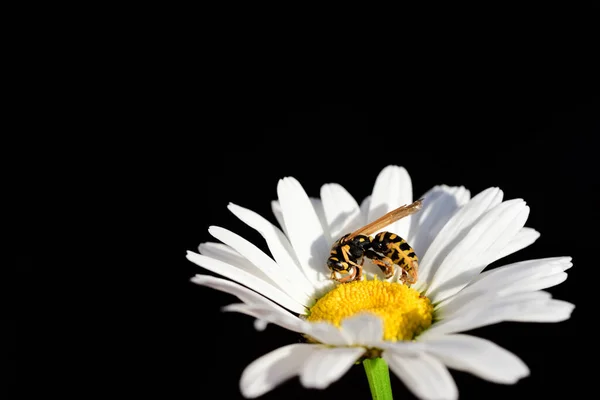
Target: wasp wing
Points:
(387, 219)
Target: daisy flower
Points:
(414, 330)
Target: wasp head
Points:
(336, 265)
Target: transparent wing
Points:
(387, 219)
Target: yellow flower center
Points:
(404, 311)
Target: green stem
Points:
(379, 378)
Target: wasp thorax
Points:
(404, 312)
(379, 247)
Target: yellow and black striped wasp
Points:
(386, 249)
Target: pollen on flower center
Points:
(404, 312)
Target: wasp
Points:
(386, 249)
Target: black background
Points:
(177, 130)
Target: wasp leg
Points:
(386, 265)
(349, 277)
(387, 269)
(357, 268)
(412, 273)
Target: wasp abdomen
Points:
(396, 249)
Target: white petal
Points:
(503, 240)
(246, 295)
(393, 188)
(483, 311)
(524, 270)
(304, 229)
(479, 357)
(542, 283)
(274, 368)
(327, 333)
(453, 232)
(364, 210)
(246, 279)
(323, 332)
(524, 238)
(318, 206)
(251, 298)
(326, 365)
(439, 205)
(260, 325)
(552, 311)
(462, 301)
(261, 261)
(519, 277)
(456, 323)
(225, 253)
(341, 210)
(406, 348)
(324, 287)
(364, 329)
(278, 244)
(276, 208)
(471, 255)
(424, 375)
(268, 314)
